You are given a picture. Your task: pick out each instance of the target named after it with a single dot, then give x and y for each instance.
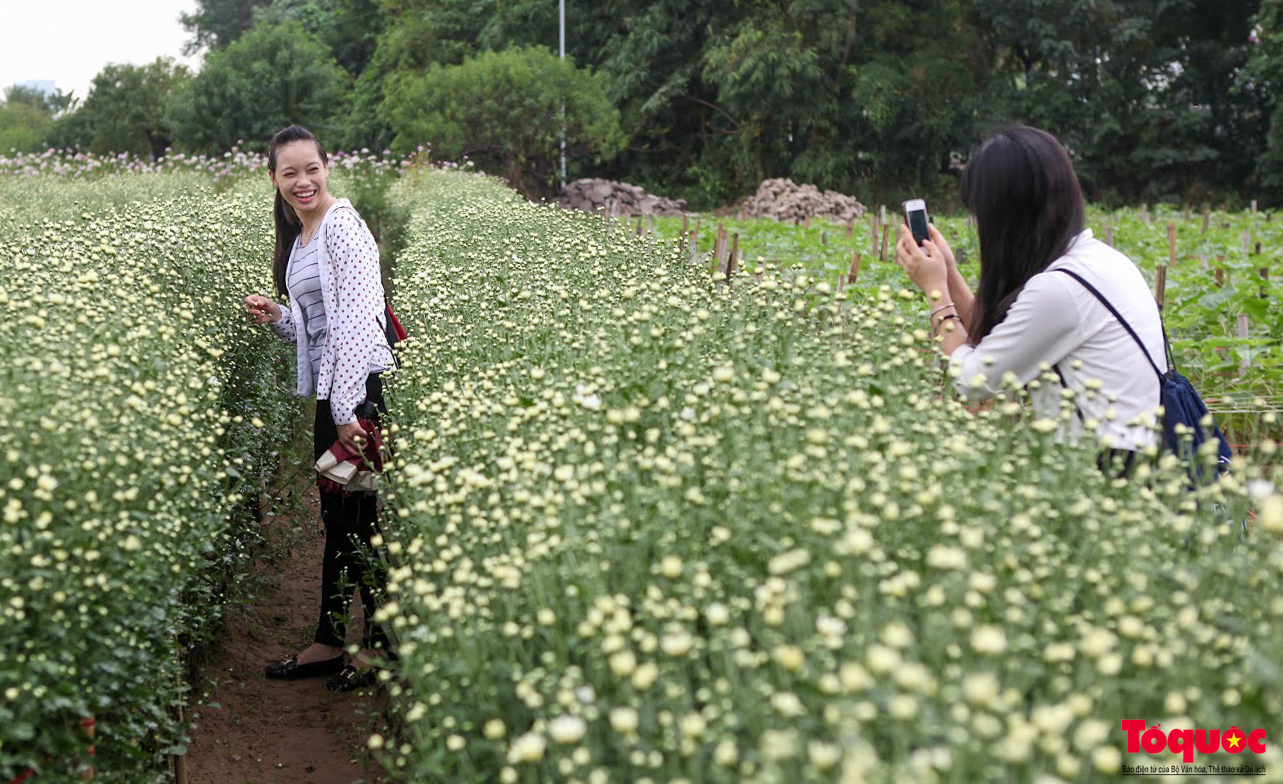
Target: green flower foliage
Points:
(645, 526)
(140, 413)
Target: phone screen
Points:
(918, 224)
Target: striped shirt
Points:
(303, 281)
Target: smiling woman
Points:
(327, 263)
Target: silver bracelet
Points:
(945, 306)
(945, 318)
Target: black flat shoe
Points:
(352, 678)
(291, 670)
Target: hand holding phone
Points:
(915, 216)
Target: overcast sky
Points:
(69, 41)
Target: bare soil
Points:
(250, 730)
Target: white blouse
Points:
(1056, 321)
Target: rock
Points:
(785, 200)
(620, 198)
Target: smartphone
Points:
(915, 215)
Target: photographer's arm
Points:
(958, 291)
(931, 269)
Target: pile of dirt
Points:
(619, 197)
(785, 200)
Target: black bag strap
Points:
(1167, 347)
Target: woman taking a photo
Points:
(1033, 309)
(327, 262)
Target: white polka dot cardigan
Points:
(352, 291)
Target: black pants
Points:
(350, 520)
(1116, 463)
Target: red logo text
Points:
(1185, 742)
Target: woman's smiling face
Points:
(301, 176)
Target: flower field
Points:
(643, 525)
(649, 528)
(140, 413)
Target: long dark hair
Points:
(288, 225)
(1023, 191)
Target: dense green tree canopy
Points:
(23, 126)
(1157, 99)
(124, 111)
(504, 110)
(270, 77)
(216, 23)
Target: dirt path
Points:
(250, 730)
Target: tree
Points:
(504, 111)
(217, 23)
(1264, 78)
(269, 78)
(25, 117)
(1145, 92)
(124, 111)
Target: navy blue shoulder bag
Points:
(1180, 401)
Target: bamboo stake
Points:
(730, 262)
(850, 227)
(180, 760)
(1207, 220)
(1109, 234)
(1171, 244)
(1220, 272)
(824, 238)
(1247, 239)
(854, 272)
(808, 221)
(1244, 332)
(1265, 277)
(1160, 285)
(886, 230)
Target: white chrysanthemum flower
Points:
(567, 729)
(990, 640)
(623, 720)
(527, 748)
